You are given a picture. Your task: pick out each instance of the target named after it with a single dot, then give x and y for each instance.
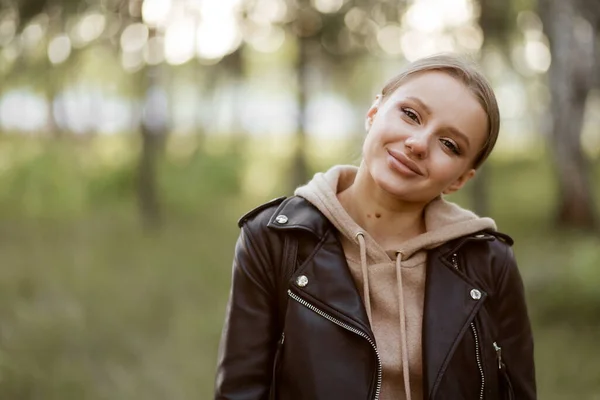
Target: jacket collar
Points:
(330, 287)
(302, 215)
(296, 213)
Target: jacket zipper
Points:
(477, 355)
(349, 328)
(476, 337)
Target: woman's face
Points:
(424, 137)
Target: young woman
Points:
(367, 284)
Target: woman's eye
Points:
(410, 114)
(451, 146)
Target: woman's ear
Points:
(372, 112)
(368, 123)
(460, 182)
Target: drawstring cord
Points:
(403, 339)
(360, 236)
(363, 265)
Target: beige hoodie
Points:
(393, 301)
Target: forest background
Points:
(134, 133)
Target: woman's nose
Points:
(417, 145)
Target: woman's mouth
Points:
(402, 163)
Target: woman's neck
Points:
(388, 220)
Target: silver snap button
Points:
(281, 219)
(302, 281)
(475, 294)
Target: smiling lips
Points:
(405, 162)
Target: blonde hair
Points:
(466, 72)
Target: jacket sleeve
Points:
(514, 334)
(249, 337)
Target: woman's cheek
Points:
(366, 148)
(450, 170)
(372, 143)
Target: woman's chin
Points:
(394, 186)
(402, 189)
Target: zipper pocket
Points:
(276, 366)
(505, 385)
(498, 350)
(348, 328)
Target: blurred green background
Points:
(134, 133)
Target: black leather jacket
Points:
(322, 347)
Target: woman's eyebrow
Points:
(452, 130)
(420, 103)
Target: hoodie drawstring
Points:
(403, 339)
(363, 266)
(360, 236)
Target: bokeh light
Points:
(180, 40)
(21, 110)
(59, 49)
(268, 11)
(537, 55)
(389, 38)
(156, 12)
(134, 37)
(8, 28)
(32, 36)
(91, 26)
(266, 38)
(328, 6)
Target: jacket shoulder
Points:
(489, 253)
(263, 211)
(497, 245)
(501, 237)
(497, 253)
(501, 247)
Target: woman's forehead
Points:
(438, 83)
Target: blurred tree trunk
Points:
(234, 76)
(307, 28)
(51, 90)
(204, 83)
(55, 75)
(55, 82)
(494, 20)
(233, 72)
(299, 164)
(572, 44)
(153, 129)
(591, 10)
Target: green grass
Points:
(91, 307)
(95, 309)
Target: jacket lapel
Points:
(329, 285)
(449, 309)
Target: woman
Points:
(367, 284)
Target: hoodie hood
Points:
(444, 220)
(391, 308)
